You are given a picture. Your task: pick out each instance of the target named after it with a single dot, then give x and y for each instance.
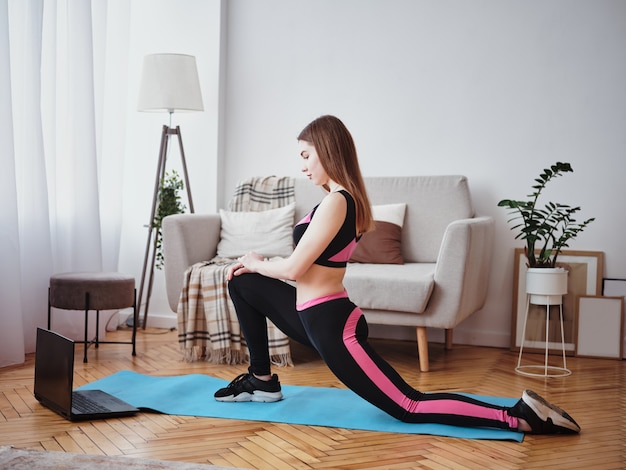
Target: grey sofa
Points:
(446, 249)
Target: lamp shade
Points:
(169, 82)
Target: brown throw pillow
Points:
(380, 246)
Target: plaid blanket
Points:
(208, 327)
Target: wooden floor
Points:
(594, 394)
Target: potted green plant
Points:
(547, 229)
(169, 202)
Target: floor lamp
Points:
(169, 83)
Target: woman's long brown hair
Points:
(337, 153)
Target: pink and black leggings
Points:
(337, 329)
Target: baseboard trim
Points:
(162, 320)
(436, 335)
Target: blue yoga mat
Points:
(192, 395)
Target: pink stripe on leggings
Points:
(320, 300)
(449, 407)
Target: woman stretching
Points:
(318, 312)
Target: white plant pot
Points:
(546, 286)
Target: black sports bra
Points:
(339, 250)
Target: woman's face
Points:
(311, 165)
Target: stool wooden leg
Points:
(86, 324)
(49, 308)
(135, 321)
(97, 328)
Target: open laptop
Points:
(54, 377)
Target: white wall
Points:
(162, 26)
(493, 89)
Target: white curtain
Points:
(63, 66)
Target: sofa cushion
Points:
(402, 287)
(433, 202)
(268, 232)
(382, 245)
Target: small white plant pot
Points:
(546, 286)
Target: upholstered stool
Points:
(94, 291)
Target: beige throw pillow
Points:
(268, 232)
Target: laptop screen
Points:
(54, 369)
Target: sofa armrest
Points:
(462, 272)
(187, 239)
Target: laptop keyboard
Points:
(83, 404)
